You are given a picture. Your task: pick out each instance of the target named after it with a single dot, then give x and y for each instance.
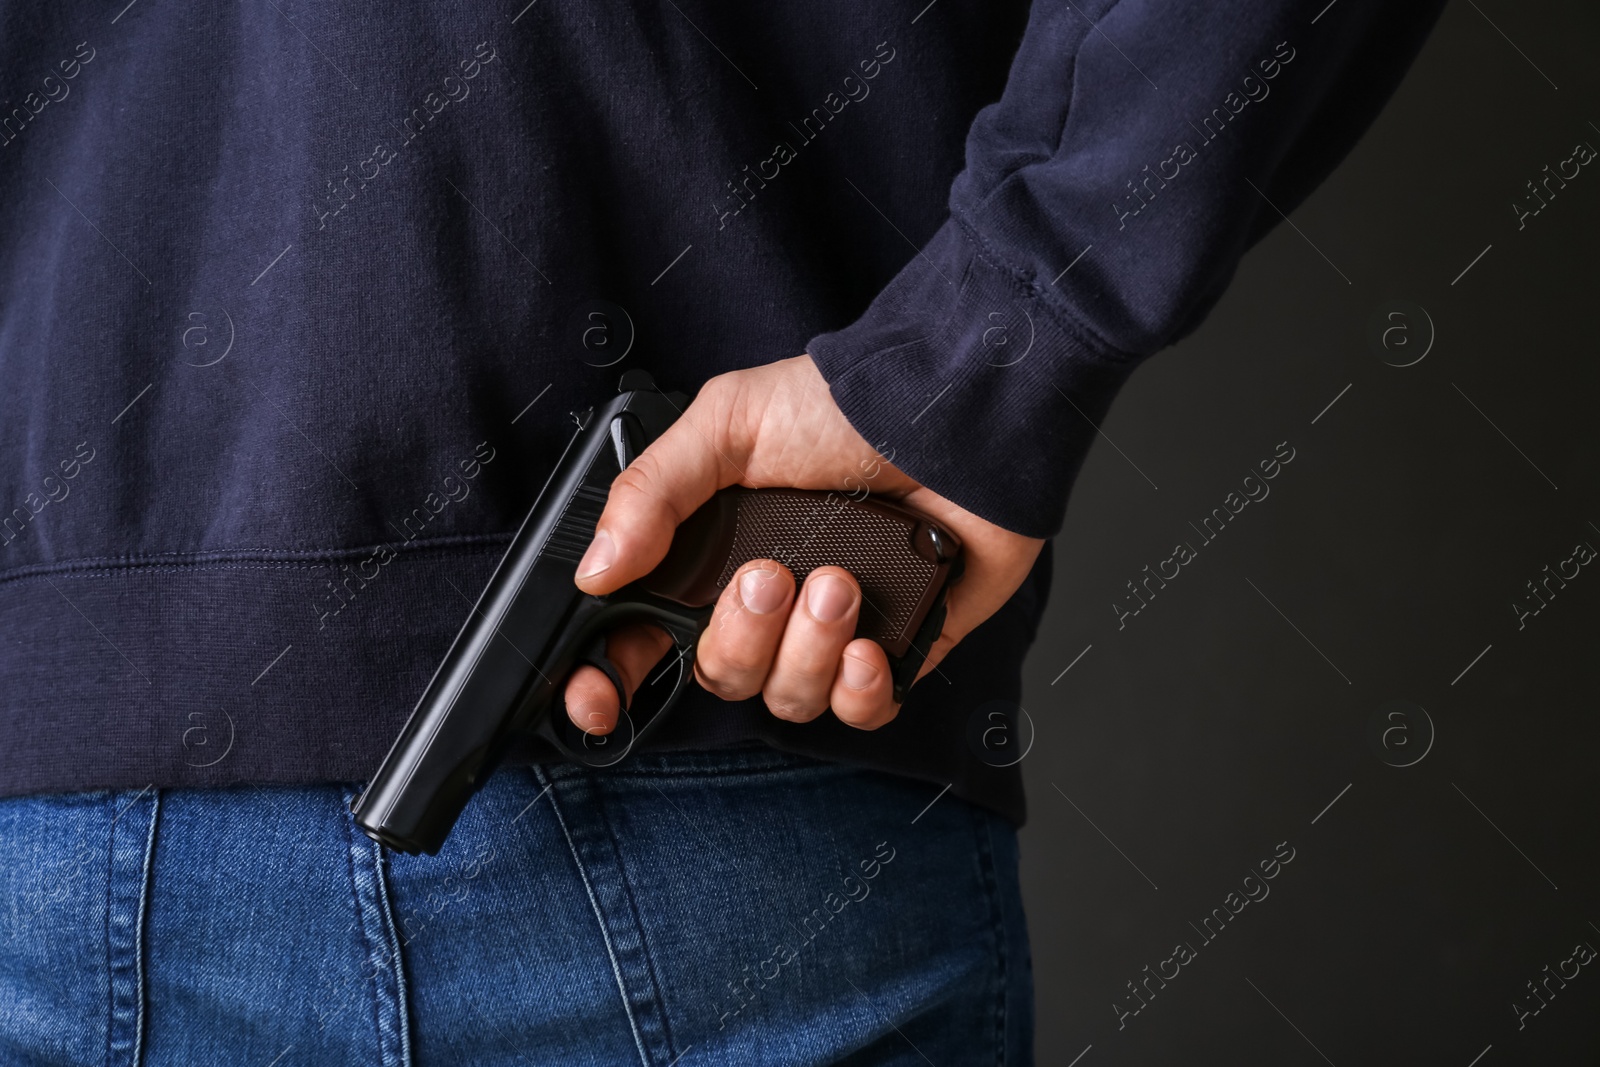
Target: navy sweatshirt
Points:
(295, 300)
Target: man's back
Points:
(302, 297)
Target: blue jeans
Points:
(732, 907)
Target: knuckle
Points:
(723, 686)
(633, 476)
(733, 655)
(641, 477)
(726, 691)
(748, 665)
(643, 492)
(792, 708)
(716, 386)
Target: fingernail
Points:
(761, 592)
(858, 674)
(828, 598)
(602, 553)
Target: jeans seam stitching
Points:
(392, 946)
(382, 943)
(638, 923)
(361, 925)
(120, 975)
(146, 876)
(111, 848)
(600, 920)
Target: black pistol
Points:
(532, 626)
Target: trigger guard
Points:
(575, 743)
(596, 750)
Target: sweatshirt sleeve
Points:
(1138, 150)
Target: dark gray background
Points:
(1210, 729)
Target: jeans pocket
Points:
(782, 909)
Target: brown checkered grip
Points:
(902, 560)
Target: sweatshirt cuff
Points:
(973, 380)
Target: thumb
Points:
(664, 485)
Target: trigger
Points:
(595, 656)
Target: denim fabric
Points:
(737, 907)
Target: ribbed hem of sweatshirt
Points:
(971, 379)
(222, 669)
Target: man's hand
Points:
(774, 426)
